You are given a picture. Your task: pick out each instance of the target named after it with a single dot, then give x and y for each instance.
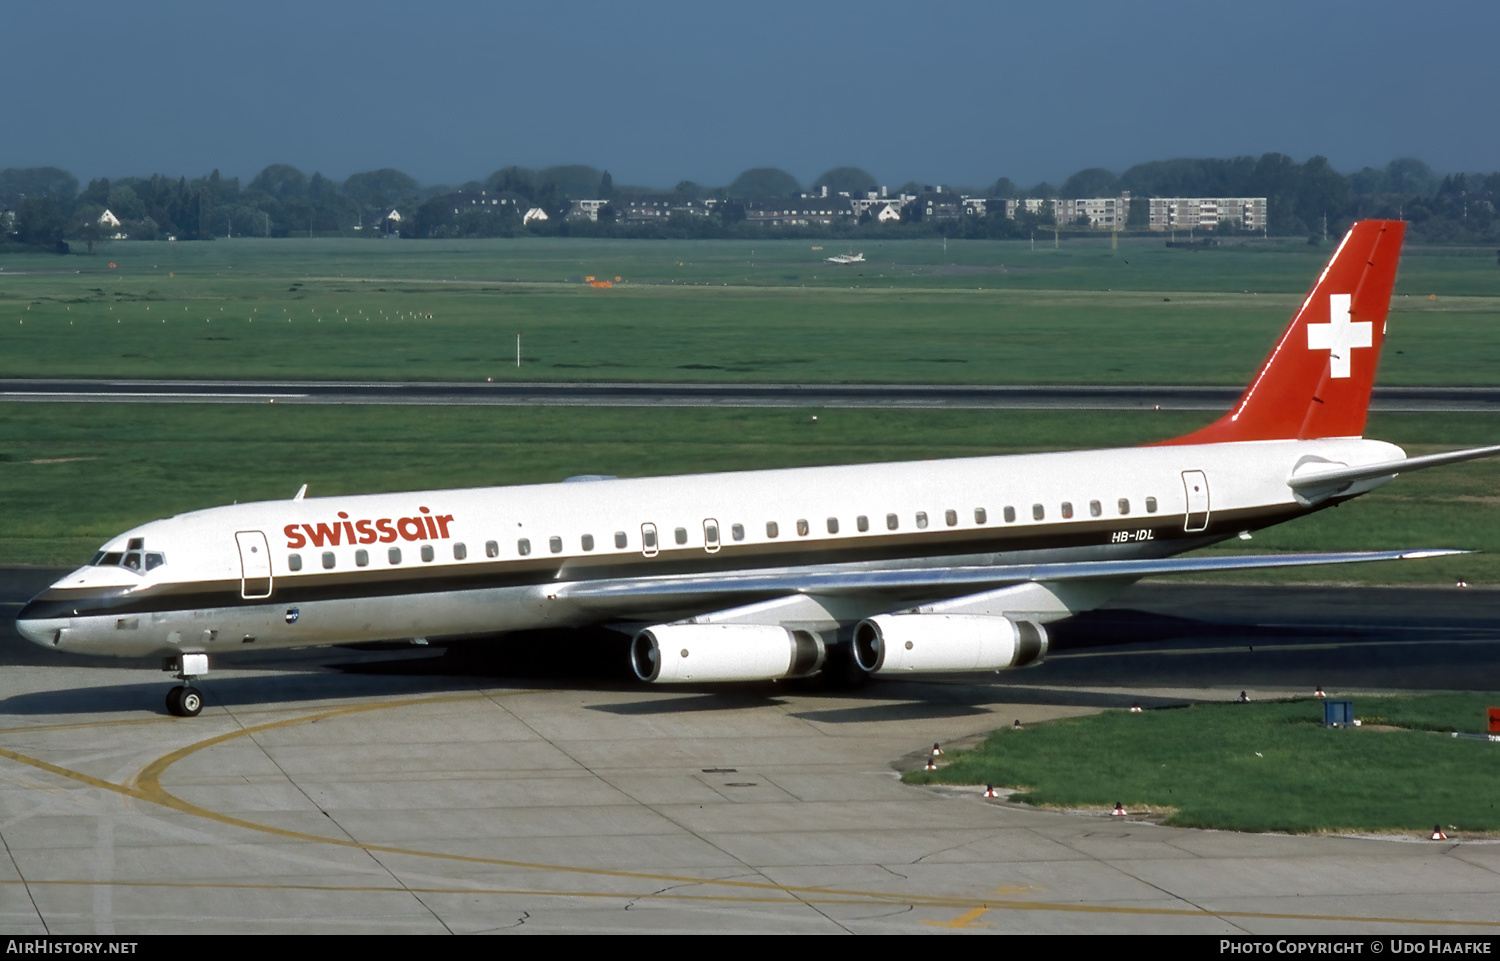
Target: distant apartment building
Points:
(656, 207)
(799, 211)
(1106, 213)
(1187, 213)
(1109, 213)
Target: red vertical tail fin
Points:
(1316, 381)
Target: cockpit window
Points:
(135, 559)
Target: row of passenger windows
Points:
(711, 533)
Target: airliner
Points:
(848, 571)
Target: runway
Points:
(890, 396)
(409, 791)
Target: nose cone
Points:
(38, 622)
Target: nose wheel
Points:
(183, 701)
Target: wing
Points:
(945, 579)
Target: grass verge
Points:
(1257, 767)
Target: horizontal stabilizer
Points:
(1331, 481)
(790, 581)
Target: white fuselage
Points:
(451, 563)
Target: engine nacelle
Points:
(930, 643)
(680, 653)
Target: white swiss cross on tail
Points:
(1340, 336)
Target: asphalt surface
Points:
(492, 789)
(1060, 397)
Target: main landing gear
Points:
(184, 700)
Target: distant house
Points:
(109, 220)
(391, 223)
(938, 204)
(888, 213)
(586, 209)
(534, 215)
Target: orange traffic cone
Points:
(989, 791)
(1135, 708)
(931, 765)
(1319, 692)
(937, 751)
(1437, 833)
(1119, 810)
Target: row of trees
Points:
(44, 207)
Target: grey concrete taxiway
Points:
(890, 396)
(411, 792)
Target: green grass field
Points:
(1257, 767)
(990, 312)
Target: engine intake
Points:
(680, 653)
(931, 643)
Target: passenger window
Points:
(711, 532)
(1150, 505)
(361, 558)
(648, 538)
(523, 546)
(1067, 510)
(427, 553)
(294, 562)
(737, 532)
(588, 542)
(921, 520)
(951, 517)
(1124, 505)
(491, 548)
(771, 529)
(620, 540)
(802, 528)
(460, 552)
(1095, 508)
(395, 555)
(1037, 512)
(833, 525)
(328, 560)
(862, 522)
(555, 544)
(153, 561)
(981, 516)
(891, 522)
(1010, 515)
(681, 535)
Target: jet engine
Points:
(682, 653)
(930, 643)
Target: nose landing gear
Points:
(184, 700)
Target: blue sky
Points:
(942, 92)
